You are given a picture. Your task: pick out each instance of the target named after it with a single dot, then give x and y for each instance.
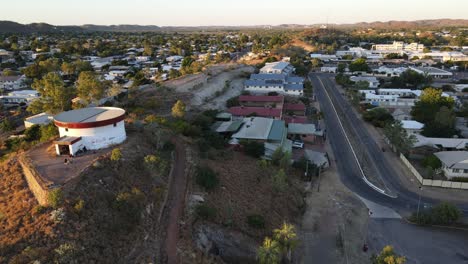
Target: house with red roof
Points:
(244, 111)
(295, 109)
(261, 101)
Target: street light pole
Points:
(419, 202)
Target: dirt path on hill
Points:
(175, 204)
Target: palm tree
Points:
(269, 252)
(287, 238)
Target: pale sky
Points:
(224, 12)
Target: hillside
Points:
(13, 27)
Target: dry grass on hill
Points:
(246, 189)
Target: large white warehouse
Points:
(89, 129)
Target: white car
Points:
(298, 144)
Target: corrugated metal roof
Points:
(277, 131)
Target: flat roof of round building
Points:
(89, 117)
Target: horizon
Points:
(204, 13)
(246, 25)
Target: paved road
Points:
(405, 201)
(419, 244)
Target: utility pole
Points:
(419, 202)
(318, 185)
(307, 168)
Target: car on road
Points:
(298, 144)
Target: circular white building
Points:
(89, 128)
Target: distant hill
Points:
(13, 27)
(418, 24)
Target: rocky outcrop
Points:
(230, 246)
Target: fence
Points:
(433, 183)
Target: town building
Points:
(412, 127)
(11, 82)
(39, 119)
(264, 83)
(454, 163)
(398, 46)
(432, 72)
(89, 129)
(279, 67)
(272, 133)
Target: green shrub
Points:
(32, 133)
(432, 162)
(116, 154)
(55, 198)
(256, 221)
(253, 148)
(205, 212)
(206, 178)
(49, 131)
(441, 214)
(129, 206)
(79, 206)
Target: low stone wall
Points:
(39, 188)
(433, 183)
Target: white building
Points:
(331, 69)
(22, 97)
(433, 72)
(39, 119)
(412, 127)
(11, 82)
(279, 67)
(89, 129)
(323, 57)
(284, 84)
(398, 46)
(454, 163)
(443, 56)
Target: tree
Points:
(148, 49)
(398, 137)
(178, 110)
(432, 162)
(361, 85)
(287, 238)
(88, 87)
(7, 125)
(341, 68)
(359, 65)
(55, 97)
(207, 178)
(68, 68)
(388, 256)
(279, 180)
(269, 252)
(253, 148)
(430, 103)
(378, 116)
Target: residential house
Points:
(39, 119)
(412, 127)
(373, 82)
(11, 82)
(279, 67)
(432, 72)
(266, 130)
(244, 111)
(261, 101)
(264, 83)
(295, 109)
(454, 163)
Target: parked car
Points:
(298, 144)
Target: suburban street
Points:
(385, 226)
